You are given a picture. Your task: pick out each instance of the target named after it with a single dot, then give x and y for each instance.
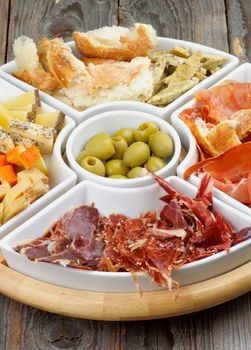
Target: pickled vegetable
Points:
(154, 164)
(161, 144)
(119, 177)
(145, 130)
(120, 145)
(136, 154)
(116, 167)
(100, 146)
(94, 165)
(127, 134)
(137, 172)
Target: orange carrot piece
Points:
(13, 156)
(3, 160)
(29, 156)
(7, 173)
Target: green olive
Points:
(145, 130)
(116, 167)
(154, 164)
(81, 156)
(138, 171)
(100, 146)
(161, 144)
(121, 177)
(120, 145)
(94, 165)
(127, 133)
(136, 154)
(101, 136)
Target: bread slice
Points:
(59, 60)
(29, 68)
(243, 118)
(217, 139)
(223, 137)
(110, 82)
(118, 43)
(95, 60)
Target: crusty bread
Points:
(58, 58)
(217, 139)
(25, 52)
(111, 82)
(223, 137)
(118, 43)
(243, 118)
(29, 69)
(95, 60)
(83, 85)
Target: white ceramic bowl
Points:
(130, 202)
(162, 44)
(61, 176)
(242, 74)
(109, 122)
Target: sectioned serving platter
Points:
(113, 296)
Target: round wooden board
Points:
(124, 306)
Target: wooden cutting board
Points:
(124, 306)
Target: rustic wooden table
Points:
(223, 24)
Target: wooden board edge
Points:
(124, 306)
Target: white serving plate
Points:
(110, 122)
(162, 44)
(62, 178)
(131, 202)
(242, 74)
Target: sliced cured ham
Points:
(184, 230)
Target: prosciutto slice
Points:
(74, 241)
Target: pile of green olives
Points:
(128, 153)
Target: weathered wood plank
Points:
(4, 16)
(58, 18)
(239, 27)
(201, 21)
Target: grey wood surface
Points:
(225, 25)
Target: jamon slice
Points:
(222, 101)
(73, 241)
(233, 164)
(135, 247)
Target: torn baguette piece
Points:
(217, 139)
(107, 82)
(118, 43)
(29, 68)
(58, 58)
(243, 118)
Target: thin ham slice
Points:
(156, 243)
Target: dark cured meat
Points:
(74, 240)
(156, 243)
